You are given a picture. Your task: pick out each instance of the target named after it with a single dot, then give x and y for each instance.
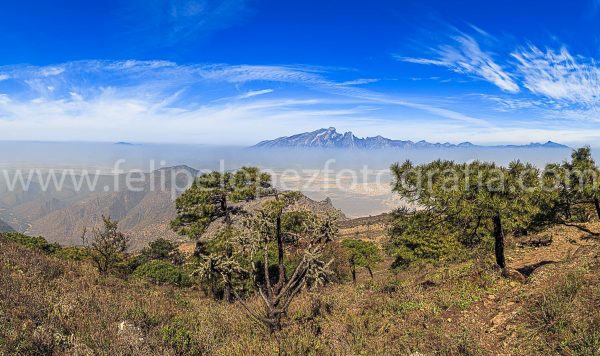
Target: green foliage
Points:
(179, 338)
(162, 249)
(73, 253)
(419, 235)
(362, 253)
(210, 197)
(462, 203)
(405, 313)
(575, 184)
(107, 245)
(299, 238)
(163, 272)
(36, 243)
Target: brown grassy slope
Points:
(459, 308)
(557, 310)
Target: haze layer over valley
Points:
(56, 189)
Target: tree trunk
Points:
(280, 255)
(274, 322)
(213, 288)
(353, 275)
(227, 295)
(225, 209)
(370, 271)
(198, 248)
(499, 241)
(227, 292)
(597, 204)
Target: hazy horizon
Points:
(313, 172)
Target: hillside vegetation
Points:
(504, 262)
(52, 303)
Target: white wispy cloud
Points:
(254, 93)
(360, 81)
(160, 101)
(4, 77)
(559, 75)
(88, 93)
(51, 71)
(465, 56)
(556, 84)
(248, 73)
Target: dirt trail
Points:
(494, 317)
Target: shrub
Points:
(73, 253)
(162, 249)
(163, 272)
(362, 254)
(107, 245)
(36, 243)
(179, 338)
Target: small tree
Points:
(584, 177)
(213, 197)
(107, 245)
(162, 249)
(298, 237)
(363, 254)
(471, 200)
(576, 185)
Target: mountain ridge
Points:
(144, 214)
(4, 227)
(330, 138)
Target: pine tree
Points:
(363, 254)
(577, 185)
(213, 197)
(465, 203)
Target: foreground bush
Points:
(36, 243)
(163, 272)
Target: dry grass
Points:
(51, 306)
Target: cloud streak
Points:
(93, 96)
(546, 84)
(559, 75)
(465, 56)
(162, 101)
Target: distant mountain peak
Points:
(179, 168)
(330, 138)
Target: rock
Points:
(130, 332)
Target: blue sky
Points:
(237, 72)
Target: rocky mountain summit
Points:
(330, 138)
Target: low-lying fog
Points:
(356, 181)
